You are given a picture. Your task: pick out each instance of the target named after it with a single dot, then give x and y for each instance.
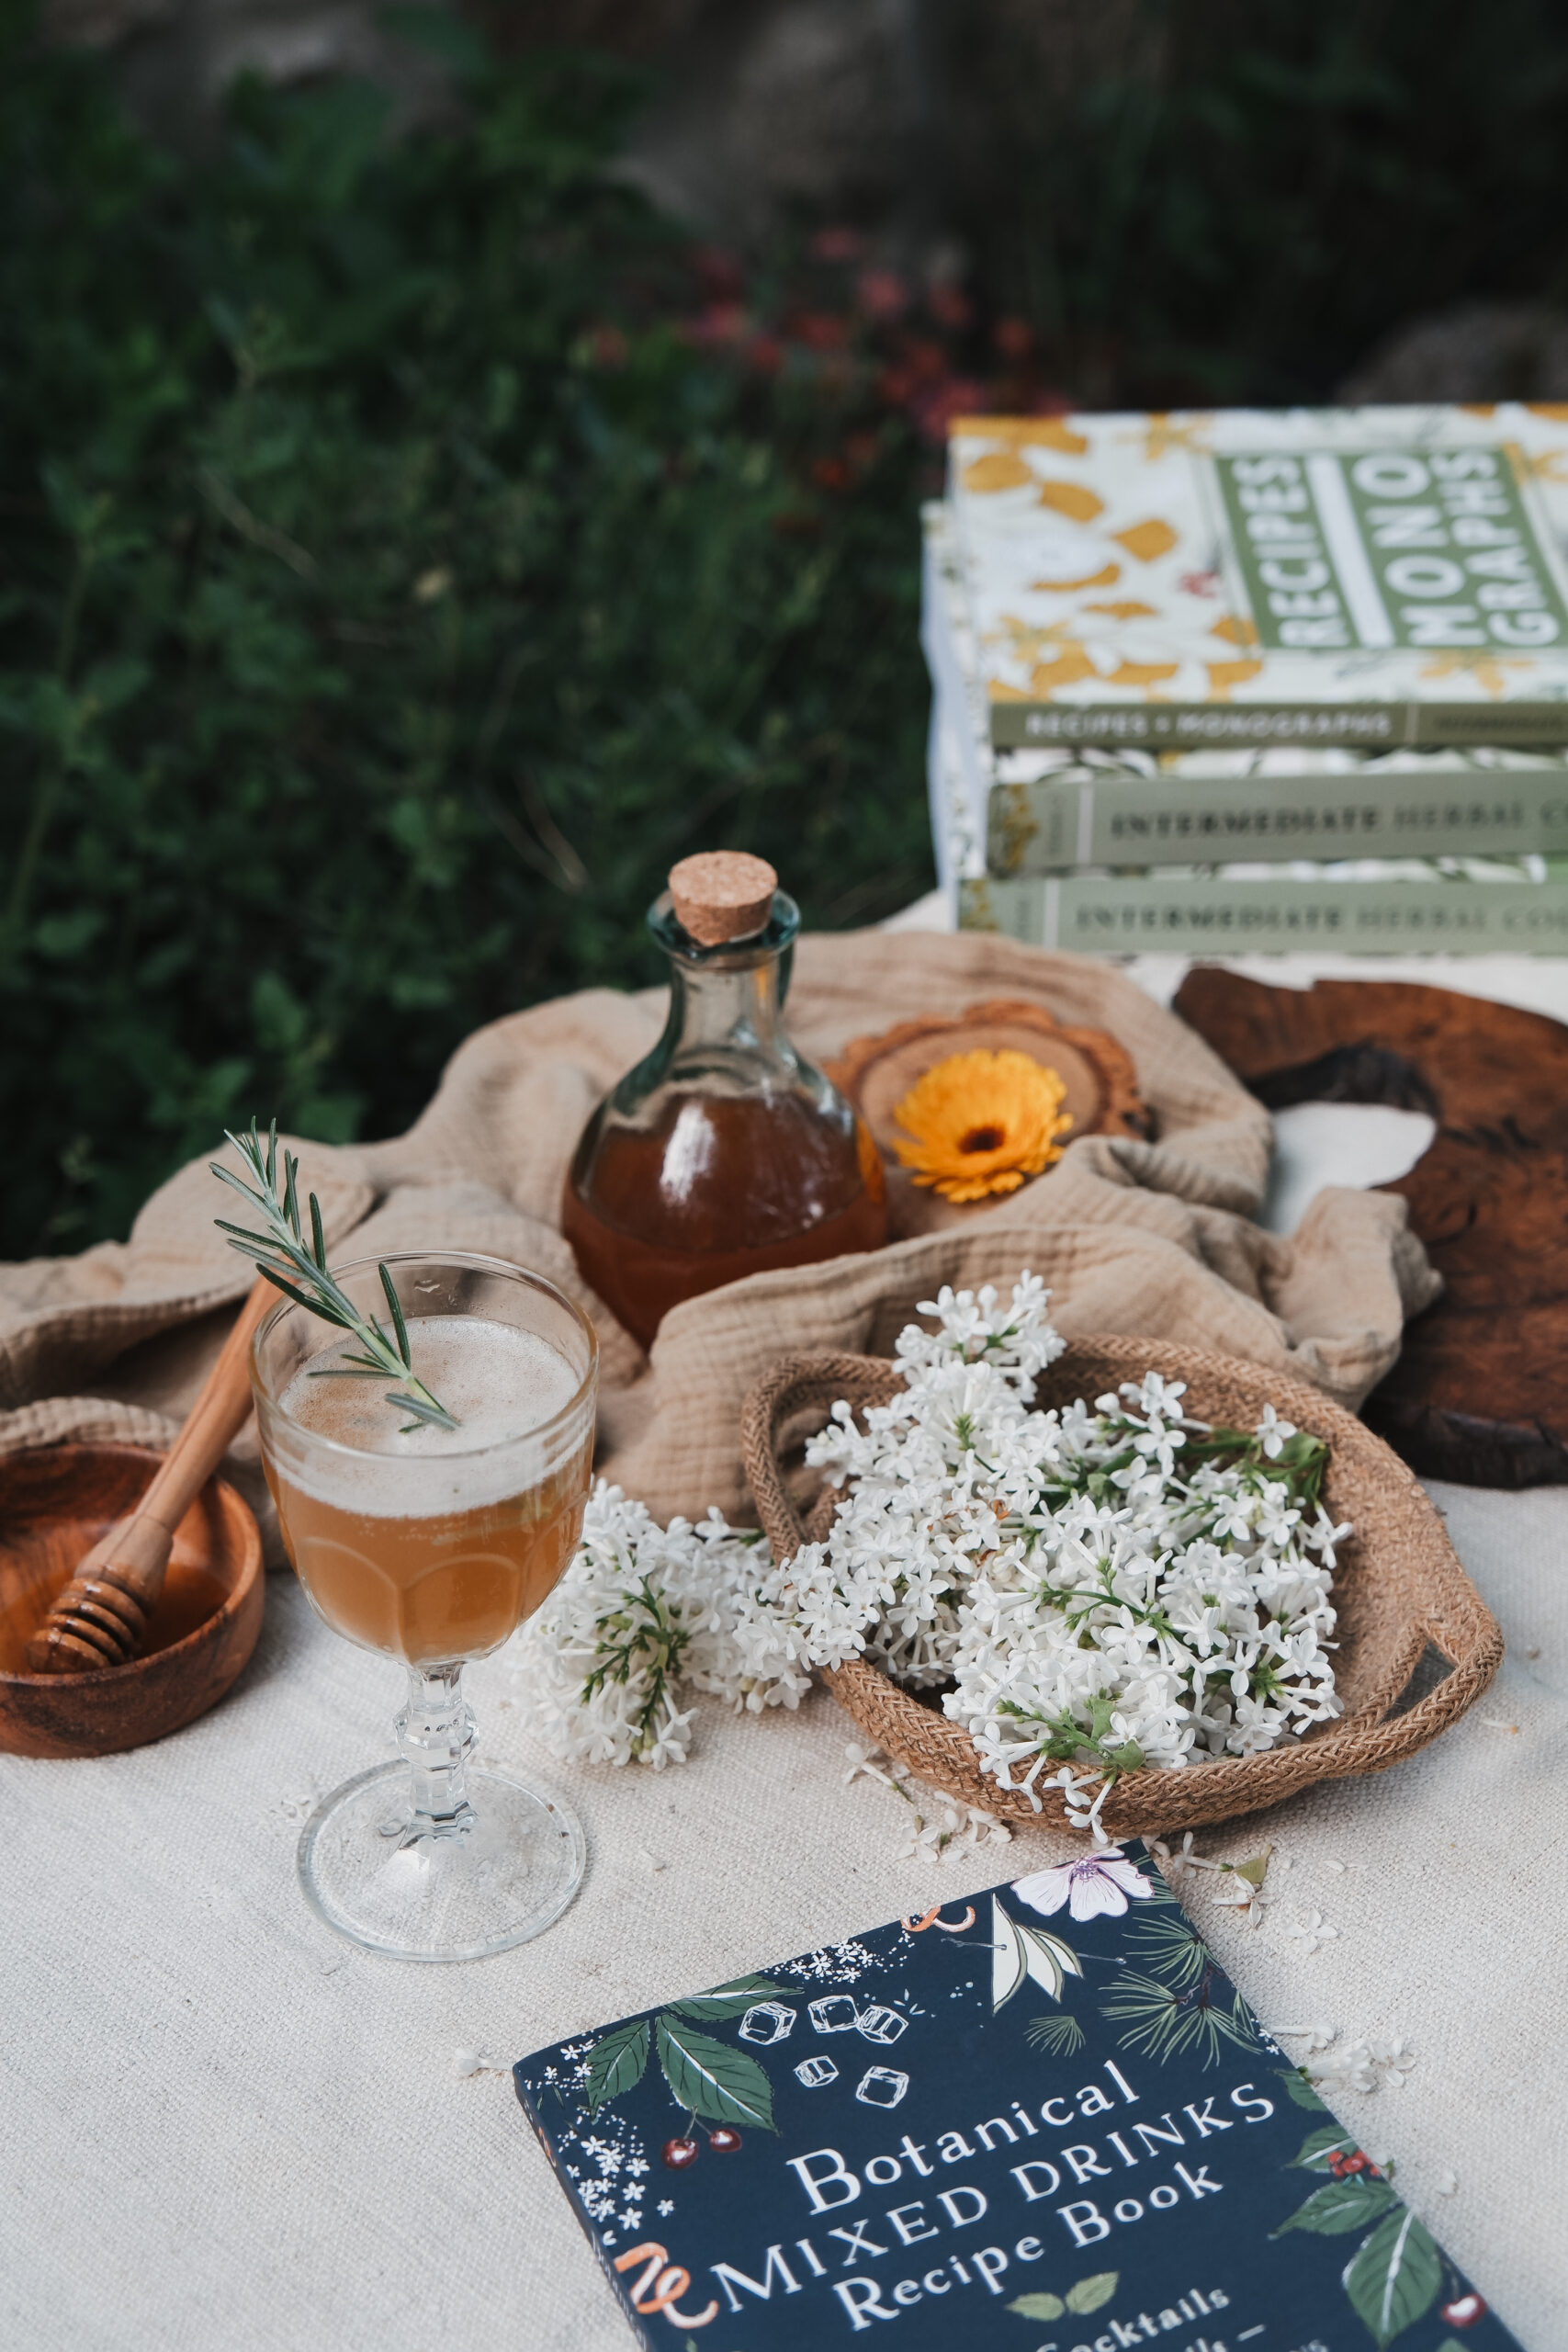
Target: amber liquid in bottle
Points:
(725, 1153)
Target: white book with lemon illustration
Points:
(1057, 809)
(1371, 577)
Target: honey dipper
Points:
(100, 1617)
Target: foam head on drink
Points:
(436, 1544)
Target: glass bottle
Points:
(724, 1152)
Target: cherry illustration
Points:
(1465, 2310)
(678, 2154)
(724, 2141)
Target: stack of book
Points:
(1249, 681)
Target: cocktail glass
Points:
(432, 1550)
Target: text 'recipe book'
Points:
(1370, 577)
(1038, 2117)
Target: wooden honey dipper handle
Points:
(100, 1618)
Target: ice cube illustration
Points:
(813, 2072)
(767, 2021)
(878, 2024)
(881, 2086)
(834, 2013)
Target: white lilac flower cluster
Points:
(1093, 1590)
(1337, 2067)
(644, 1613)
(1098, 1589)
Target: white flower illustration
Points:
(1101, 1882)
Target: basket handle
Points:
(1462, 1630)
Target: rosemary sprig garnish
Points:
(299, 1269)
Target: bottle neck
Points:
(726, 1004)
(739, 1010)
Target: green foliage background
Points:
(391, 591)
(408, 548)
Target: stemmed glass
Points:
(431, 1547)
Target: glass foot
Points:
(494, 1874)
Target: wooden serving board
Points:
(1480, 1393)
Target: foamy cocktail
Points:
(431, 1544)
(421, 1544)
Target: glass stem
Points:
(435, 1733)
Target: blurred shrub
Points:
(406, 550)
(1209, 200)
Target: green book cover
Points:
(1432, 805)
(1270, 911)
(1369, 577)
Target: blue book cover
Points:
(1040, 2118)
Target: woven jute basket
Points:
(1399, 1590)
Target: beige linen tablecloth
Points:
(226, 2130)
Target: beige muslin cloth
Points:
(1131, 1238)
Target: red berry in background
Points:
(1464, 2311)
(679, 2153)
(725, 2139)
(883, 294)
(721, 271)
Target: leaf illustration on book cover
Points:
(1020, 1953)
(1010, 1961)
(1297, 2087)
(1394, 2280)
(1090, 2293)
(1049, 1960)
(1339, 2207)
(1318, 2146)
(732, 2000)
(715, 2081)
(1058, 2037)
(1163, 2021)
(1171, 1950)
(615, 2063)
(1087, 2295)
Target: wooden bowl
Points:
(55, 1502)
(1415, 1644)
(875, 1073)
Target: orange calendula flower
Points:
(982, 1121)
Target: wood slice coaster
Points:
(877, 1073)
(1480, 1393)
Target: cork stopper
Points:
(723, 895)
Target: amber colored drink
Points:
(718, 1187)
(453, 1578)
